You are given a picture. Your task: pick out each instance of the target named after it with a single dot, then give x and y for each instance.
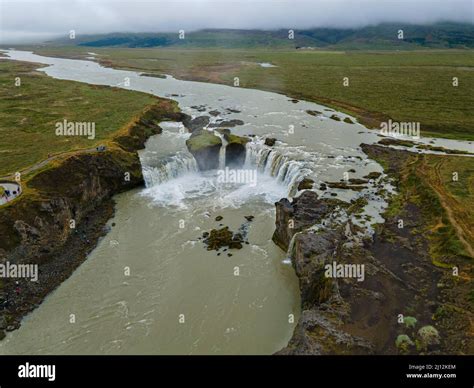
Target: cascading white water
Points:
(222, 150)
(275, 164)
(170, 168)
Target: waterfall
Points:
(170, 168)
(222, 150)
(275, 164)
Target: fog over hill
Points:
(383, 36)
(24, 21)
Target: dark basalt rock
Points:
(235, 150)
(373, 175)
(320, 329)
(227, 123)
(346, 185)
(199, 108)
(357, 181)
(306, 184)
(195, 124)
(314, 112)
(270, 141)
(219, 238)
(348, 120)
(305, 210)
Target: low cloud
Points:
(39, 20)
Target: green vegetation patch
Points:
(29, 114)
(202, 140)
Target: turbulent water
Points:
(151, 286)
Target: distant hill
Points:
(383, 36)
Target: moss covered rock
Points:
(348, 120)
(205, 147)
(306, 184)
(220, 238)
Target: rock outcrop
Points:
(195, 124)
(227, 124)
(270, 141)
(320, 329)
(220, 238)
(347, 314)
(205, 147)
(292, 217)
(235, 150)
(306, 184)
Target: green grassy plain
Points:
(28, 114)
(409, 86)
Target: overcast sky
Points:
(37, 20)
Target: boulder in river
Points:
(270, 141)
(348, 120)
(306, 184)
(373, 175)
(205, 147)
(219, 238)
(195, 124)
(314, 112)
(227, 123)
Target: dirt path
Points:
(41, 164)
(449, 203)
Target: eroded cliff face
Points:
(401, 295)
(320, 329)
(62, 212)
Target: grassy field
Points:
(28, 114)
(447, 205)
(410, 86)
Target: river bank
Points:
(65, 205)
(408, 303)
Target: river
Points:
(150, 286)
